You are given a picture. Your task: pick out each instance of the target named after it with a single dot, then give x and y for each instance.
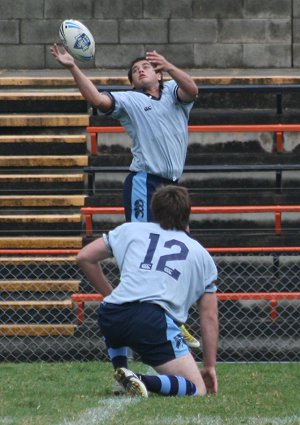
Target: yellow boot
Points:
(189, 339)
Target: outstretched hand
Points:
(63, 57)
(210, 380)
(159, 62)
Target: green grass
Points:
(80, 393)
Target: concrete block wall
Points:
(191, 33)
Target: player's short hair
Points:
(139, 59)
(171, 207)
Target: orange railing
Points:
(278, 129)
(88, 212)
(79, 299)
(272, 297)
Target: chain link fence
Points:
(259, 308)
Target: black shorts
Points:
(143, 327)
(138, 190)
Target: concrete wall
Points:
(191, 33)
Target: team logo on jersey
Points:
(139, 208)
(147, 108)
(179, 341)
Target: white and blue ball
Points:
(77, 39)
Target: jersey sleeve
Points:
(210, 274)
(118, 103)
(115, 240)
(105, 237)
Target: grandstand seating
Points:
(51, 188)
(42, 155)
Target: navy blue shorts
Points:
(138, 190)
(143, 327)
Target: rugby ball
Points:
(77, 40)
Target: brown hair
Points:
(171, 206)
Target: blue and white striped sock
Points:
(169, 385)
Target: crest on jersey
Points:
(179, 341)
(139, 208)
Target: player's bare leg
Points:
(186, 367)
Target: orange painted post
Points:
(94, 143)
(80, 308)
(80, 299)
(88, 224)
(278, 222)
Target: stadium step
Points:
(42, 178)
(42, 218)
(34, 330)
(38, 95)
(57, 81)
(31, 285)
(42, 242)
(43, 138)
(43, 151)
(41, 183)
(41, 224)
(33, 304)
(43, 161)
(43, 144)
(42, 201)
(44, 120)
(39, 260)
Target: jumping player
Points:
(155, 115)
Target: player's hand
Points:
(209, 376)
(159, 62)
(63, 57)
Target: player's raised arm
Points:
(188, 90)
(87, 88)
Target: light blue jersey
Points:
(157, 127)
(164, 267)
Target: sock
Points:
(118, 357)
(169, 385)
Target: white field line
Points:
(108, 409)
(112, 407)
(6, 420)
(210, 420)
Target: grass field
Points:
(75, 393)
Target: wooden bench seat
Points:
(42, 178)
(43, 138)
(33, 330)
(122, 80)
(20, 161)
(42, 218)
(42, 201)
(37, 258)
(58, 81)
(37, 305)
(44, 120)
(42, 95)
(45, 242)
(39, 285)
